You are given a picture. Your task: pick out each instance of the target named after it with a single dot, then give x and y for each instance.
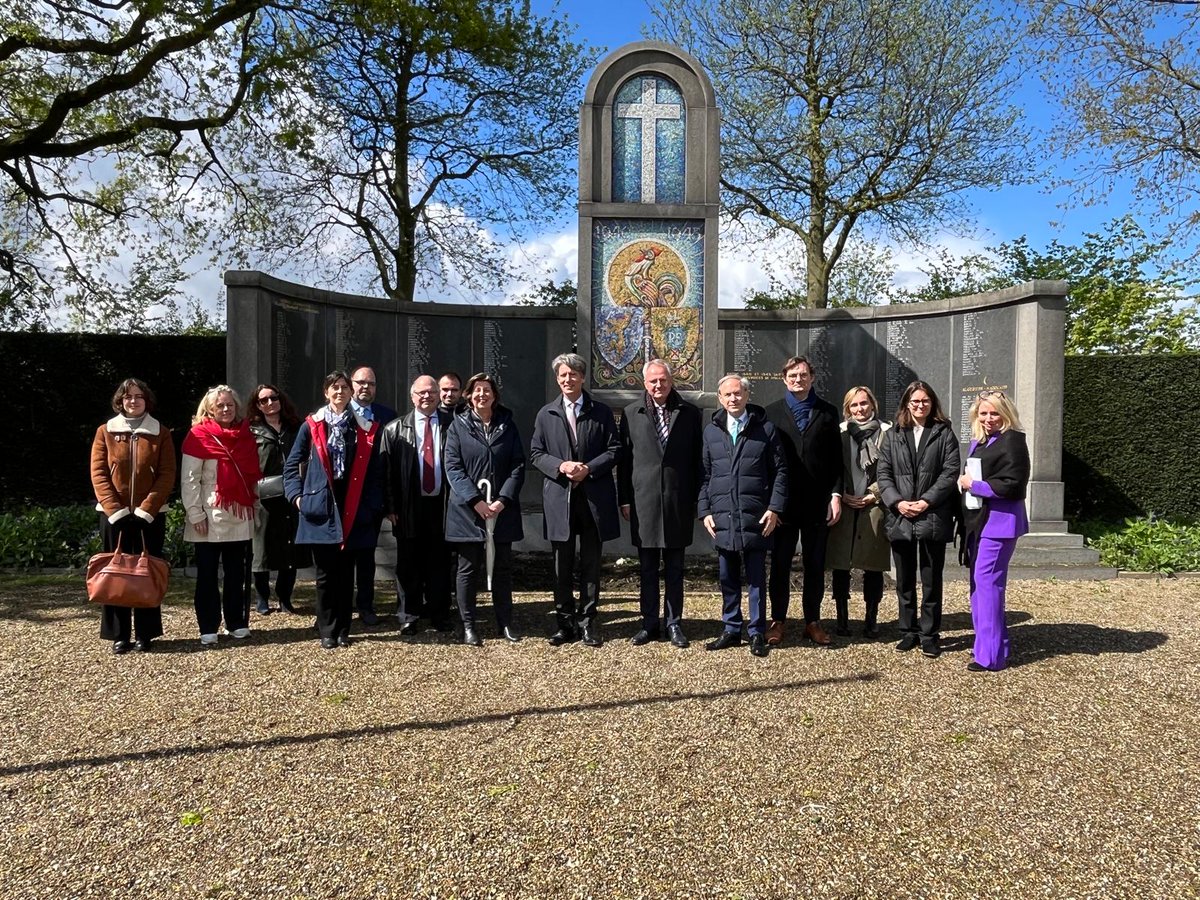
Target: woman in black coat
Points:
(918, 471)
(483, 444)
(274, 423)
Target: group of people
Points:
(265, 490)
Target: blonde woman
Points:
(993, 529)
(220, 469)
(859, 539)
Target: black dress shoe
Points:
(908, 642)
(409, 628)
(562, 636)
(677, 637)
(976, 667)
(758, 645)
(932, 649)
(368, 617)
(591, 636)
(328, 644)
(142, 645)
(286, 606)
(343, 640)
(470, 638)
(644, 636)
(510, 634)
(120, 647)
(727, 639)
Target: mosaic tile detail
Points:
(649, 125)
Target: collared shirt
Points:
(741, 424)
(420, 423)
(363, 412)
(577, 403)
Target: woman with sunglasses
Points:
(918, 466)
(274, 423)
(994, 523)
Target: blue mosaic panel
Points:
(649, 124)
(647, 299)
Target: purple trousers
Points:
(989, 578)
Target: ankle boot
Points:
(870, 626)
(843, 615)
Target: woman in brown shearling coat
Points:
(133, 471)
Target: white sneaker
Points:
(208, 639)
(240, 633)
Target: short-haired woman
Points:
(133, 472)
(220, 470)
(859, 539)
(918, 466)
(994, 525)
(340, 499)
(274, 423)
(483, 443)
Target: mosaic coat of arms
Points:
(647, 299)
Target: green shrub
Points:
(56, 537)
(1146, 544)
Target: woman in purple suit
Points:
(995, 524)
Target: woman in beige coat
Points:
(220, 470)
(859, 539)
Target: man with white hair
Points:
(743, 492)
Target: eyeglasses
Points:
(797, 376)
(920, 402)
(988, 395)
(133, 398)
(263, 401)
(364, 383)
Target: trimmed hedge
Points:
(1128, 436)
(60, 388)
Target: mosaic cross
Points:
(650, 111)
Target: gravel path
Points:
(416, 767)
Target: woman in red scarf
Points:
(220, 469)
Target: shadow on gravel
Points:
(1039, 641)
(443, 725)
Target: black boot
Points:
(870, 623)
(843, 615)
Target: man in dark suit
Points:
(362, 402)
(575, 446)
(423, 558)
(658, 479)
(743, 491)
(812, 445)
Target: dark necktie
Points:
(663, 425)
(427, 483)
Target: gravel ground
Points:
(416, 767)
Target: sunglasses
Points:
(263, 401)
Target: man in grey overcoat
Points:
(658, 480)
(575, 446)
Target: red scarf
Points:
(236, 454)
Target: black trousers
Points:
(812, 539)
(118, 622)
(285, 584)
(217, 593)
(672, 564)
(335, 589)
(423, 582)
(584, 529)
(929, 558)
(364, 578)
(872, 586)
(472, 575)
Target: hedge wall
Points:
(1128, 436)
(1127, 423)
(62, 385)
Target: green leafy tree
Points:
(551, 293)
(864, 277)
(838, 114)
(417, 139)
(1127, 76)
(107, 110)
(1126, 295)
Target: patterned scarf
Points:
(338, 426)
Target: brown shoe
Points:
(775, 633)
(815, 633)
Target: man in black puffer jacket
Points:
(744, 490)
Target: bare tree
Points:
(842, 113)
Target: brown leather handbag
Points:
(127, 579)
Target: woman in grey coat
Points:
(918, 471)
(859, 539)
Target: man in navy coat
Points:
(575, 446)
(362, 402)
(743, 493)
